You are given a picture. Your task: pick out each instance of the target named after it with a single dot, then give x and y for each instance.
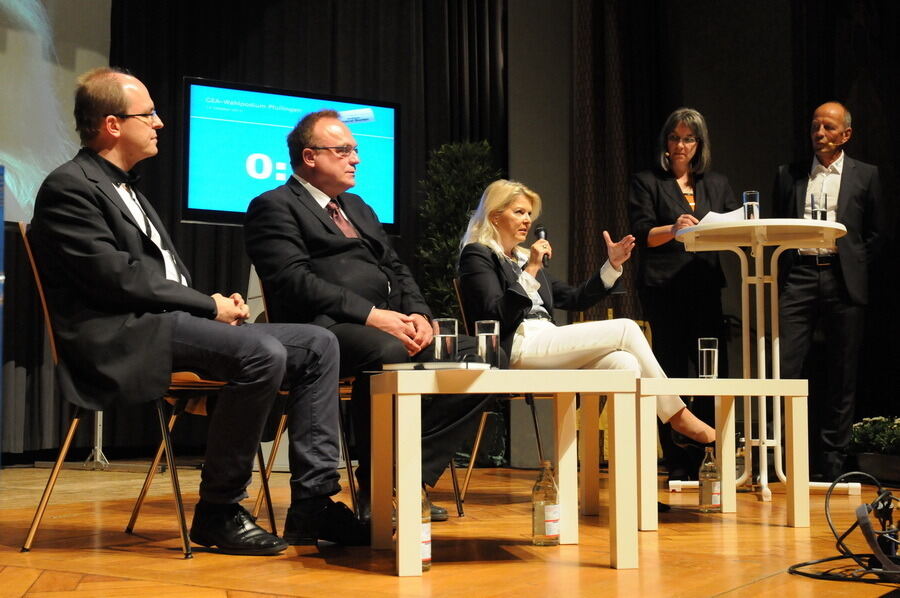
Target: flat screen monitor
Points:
(236, 146)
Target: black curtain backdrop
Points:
(622, 92)
(441, 60)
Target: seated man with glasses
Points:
(126, 317)
(323, 258)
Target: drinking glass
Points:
(751, 205)
(445, 335)
(819, 206)
(708, 357)
(487, 333)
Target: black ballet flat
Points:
(687, 443)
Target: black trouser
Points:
(679, 314)
(817, 296)
(257, 360)
(447, 420)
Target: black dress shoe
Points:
(334, 522)
(232, 530)
(438, 513)
(662, 507)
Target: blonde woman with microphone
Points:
(501, 280)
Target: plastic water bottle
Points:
(545, 508)
(710, 484)
(426, 532)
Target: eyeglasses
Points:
(343, 151)
(148, 115)
(673, 138)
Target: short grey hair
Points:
(693, 120)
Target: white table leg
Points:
(797, 461)
(567, 467)
(589, 451)
(408, 464)
(648, 514)
(623, 542)
(382, 468)
(725, 457)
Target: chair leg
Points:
(261, 460)
(529, 399)
(345, 447)
(475, 446)
(129, 529)
(276, 443)
(173, 474)
(51, 482)
(456, 495)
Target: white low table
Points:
(397, 437)
(725, 390)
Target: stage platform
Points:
(82, 550)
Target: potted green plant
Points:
(455, 176)
(876, 443)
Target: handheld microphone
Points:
(541, 233)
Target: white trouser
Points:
(603, 345)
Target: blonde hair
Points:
(496, 198)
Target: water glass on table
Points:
(819, 206)
(487, 333)
(751, 205)
(708, 357)
(445, 336)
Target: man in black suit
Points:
(324, 258)
(126, 317)
(829, 288)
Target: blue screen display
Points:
(237, 147)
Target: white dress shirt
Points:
(137, 212)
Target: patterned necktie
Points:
(334, 210)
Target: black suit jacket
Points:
(312, 273)
(656, 200)
(106, 287)
(490, 290)
(860, 208)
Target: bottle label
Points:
(551, 520)
(426, 542)
(710, 492)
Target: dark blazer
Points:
(312, 273)
(860, 208)
(491, 291)
(106, 287)
(656, 200)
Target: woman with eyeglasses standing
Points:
(680, 291)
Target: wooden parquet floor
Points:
(82, 550)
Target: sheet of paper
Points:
(732, 216)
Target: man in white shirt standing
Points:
(828, 288)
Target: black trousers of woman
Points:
(679, 314)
